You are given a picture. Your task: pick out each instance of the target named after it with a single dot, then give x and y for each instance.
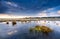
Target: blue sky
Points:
(29, 7)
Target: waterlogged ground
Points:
(21, 30)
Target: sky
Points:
(40, 8)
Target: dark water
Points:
(21, 31)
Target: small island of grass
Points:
(43, 29)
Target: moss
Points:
(45, 29)
(41, 28)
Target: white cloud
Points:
(58, 12)
(7, 2)
(11, 4)
(50, 8)
(45, 13)
(42, 14)
(49, 12)
(54, 13)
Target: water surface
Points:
(21, 30)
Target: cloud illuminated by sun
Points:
(13, 16)
(10, 16)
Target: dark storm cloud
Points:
(2, 8)
(29, 6)
(37, 4)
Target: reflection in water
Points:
(30, 30)
(7, 22)
(14, 23)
